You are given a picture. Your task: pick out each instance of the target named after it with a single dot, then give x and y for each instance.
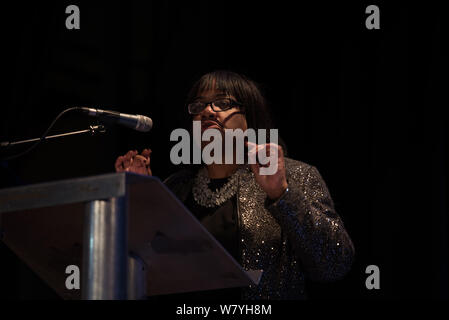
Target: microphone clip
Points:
(97, 129)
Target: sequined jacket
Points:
(297, 237)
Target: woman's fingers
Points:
(146, 154)
(126, 162)
(263, 154)
(119, 164)
(128, 159)
(139, 161)
(134, 162)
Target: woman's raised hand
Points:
(134, 162)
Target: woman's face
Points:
(228, 119)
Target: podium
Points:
(128, 235)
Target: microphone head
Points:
(144, 124)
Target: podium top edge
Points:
(66, 191)
(127, 177)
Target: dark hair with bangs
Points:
(244, 90)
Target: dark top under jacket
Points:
(222, 223)
(298, 236)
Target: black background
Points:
(366, 107)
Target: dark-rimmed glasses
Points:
(218, 105)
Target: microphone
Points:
(136, 122)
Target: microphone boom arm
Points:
(92, 130)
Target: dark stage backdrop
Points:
(366, 107)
